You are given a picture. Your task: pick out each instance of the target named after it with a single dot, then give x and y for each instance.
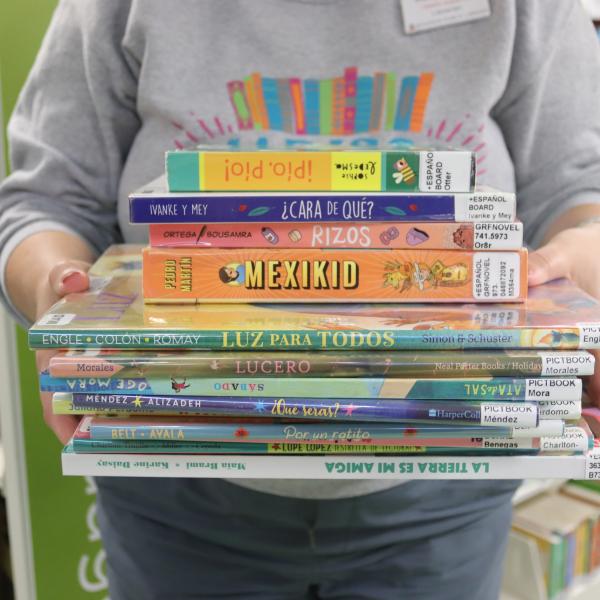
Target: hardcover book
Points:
(316, 275)
(501, 389)
(491, 414)
(353, 234)
(82, 443)
(574, 438)
(154, 204)
(240, 466)
(204, 450)
(281, 431)
(405, 170)
(102, 363)
(557, 315)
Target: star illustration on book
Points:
(241, 432)
(276, 446)
(350, 409)
(138, 402)
(260, 406)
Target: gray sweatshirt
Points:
(118, 82)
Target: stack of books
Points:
(564, 525)
(320, 303)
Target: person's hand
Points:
(573, 253)
(65, 278)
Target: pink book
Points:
(347, 234)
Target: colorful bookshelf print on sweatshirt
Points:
(343, 105)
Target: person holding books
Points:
(117, 83)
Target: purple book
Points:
(154, 204)
(522, 414)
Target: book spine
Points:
(404, 107)
(350, 93)
(364, 100)
(62, 405)
(273, 208)
(498, 389)
(431, 171)
(390, 96)
(309, 339)
(325, 105)
(103, 428)
(338, 90)
(420, 102)
(446, 412)
(273, 110)
(87, 446)
(328, 467)
(377, 102)
(100, 364)
(240, 104)
(285, 102)
(298, 106)
(316, 275)
(312, 104)
(261, 119)
(353, 234)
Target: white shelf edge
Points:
(16, 489)
(584, 588)
(534, 487)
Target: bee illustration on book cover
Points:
(402, 172)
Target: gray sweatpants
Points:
(176, 539)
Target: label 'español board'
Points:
(321, 170)
(316, 275)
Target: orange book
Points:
(172, 275)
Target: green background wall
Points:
(69, 560)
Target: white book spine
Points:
(325, 467)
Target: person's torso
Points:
(282, 73)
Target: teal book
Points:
(504, 389)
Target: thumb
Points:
(69, 276)
(547, 263)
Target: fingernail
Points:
(73, 280)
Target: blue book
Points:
(154, 204)
(311, 108)
(406, 100)
(281, 431)
(503, 389)
(364, 94)
(271, 97)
